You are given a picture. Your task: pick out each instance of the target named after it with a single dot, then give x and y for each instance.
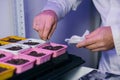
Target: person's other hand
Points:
(99, 40)
(45, 24)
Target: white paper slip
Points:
(75, 38)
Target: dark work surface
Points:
(52, 69)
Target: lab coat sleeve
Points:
(61, 7)
(114, 21)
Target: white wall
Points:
(76, 22)
(6, 18)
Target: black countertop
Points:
(52, 69)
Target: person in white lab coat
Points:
(106, 38)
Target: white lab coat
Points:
(110, 12)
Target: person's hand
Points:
(45, 24)
(99, 40)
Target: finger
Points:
(34, 24)
(94, 46)
(98, 49)
(39, 25)
(53, 29)
(86, 42)
(47, 30)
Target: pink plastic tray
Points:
(40, 59)
(56, 53)
(8, 55)
(23, 67)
